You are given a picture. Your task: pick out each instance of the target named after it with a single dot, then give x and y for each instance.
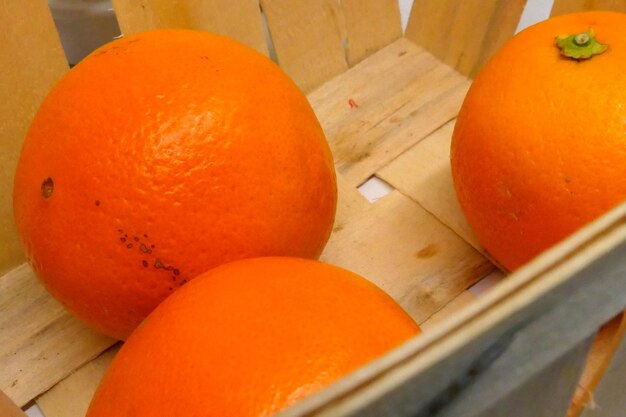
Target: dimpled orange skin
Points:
(539, 148)
(170, 152)
(250, 338)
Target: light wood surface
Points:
(31, 61)
(464, 34)
(381, 107)
(430, 181)
(71, 397)
(239, 20)
(308, 39)
(41, 343)
(370, 25)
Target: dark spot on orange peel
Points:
(47, 188)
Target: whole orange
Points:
(162, 155)
(539, 147)
(250, 338)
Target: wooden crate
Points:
(387, 101)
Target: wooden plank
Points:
(386, 104)
(71, 397)
(239, 20)
(498, 343)
(370, 25)
(41, 343)
(31, 61)
(307, 37)
(408, 253)
(463, 33)
(430, 180)
(570, 6)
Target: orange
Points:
(539, 147)
(160, 156)
(250, 338)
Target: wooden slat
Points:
(41, 343)
(31, 61)
(473, 361)
(71, 397)
(569, 6)
(307, 37)
(430, 182)
(240, 19)
(384, 105)
(408, 253)
(463, 33)
(370, 25)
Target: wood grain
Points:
(31, 61)
(41, 343)
(410, 254)
(239, 19)
(308, 39)
(384, 105)
(71, 397)
(430, 182)
(463, 33)
(570, 6)
(370, 25)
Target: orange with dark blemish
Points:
(215, 159)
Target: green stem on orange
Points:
(582, 45)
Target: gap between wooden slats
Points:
(31, 61)
(569, 6)
(240, 19)
(464, 34)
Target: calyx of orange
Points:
(582, 45)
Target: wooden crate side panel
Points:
(549, 393)
(240, 19)
(569, 6)
(463, 33)
(370, 25)
(31, 61)
(308, 39)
